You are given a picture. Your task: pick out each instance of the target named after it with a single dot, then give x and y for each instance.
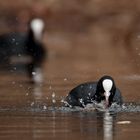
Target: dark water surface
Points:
(33, 111)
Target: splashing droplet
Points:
(50, 87)
(32, 103)
(33, 73)
(65, 79)
(13, 82)
(44, 107)
(53, 101)
(53, 95)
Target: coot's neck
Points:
(99, 98)
(32, 37)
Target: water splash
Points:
(126, 107)
(82, 102)
(39, 107)
(65, 103)
(53, 99)
(45, 107)
(37, 75)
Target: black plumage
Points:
(93, 92)
(37, 50)
(23, 51)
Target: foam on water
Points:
(126, 107)
(39, 108)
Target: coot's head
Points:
(105, 90)
(37, 26)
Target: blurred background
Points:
(84, 40)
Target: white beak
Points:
(37, 26)
(107, 85)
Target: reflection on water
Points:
(34, 111)
(101, 43)
(37, 91)
(108, 126)
(62, 125)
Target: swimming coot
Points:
(25, 50)
(35, 48)
(102, 90)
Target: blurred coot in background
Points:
(24, 51)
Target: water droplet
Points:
(62, 101)
(19, 55)
(65, 79)
(53, 95)
(32, 103)
(17, 43)
(50, 87)
(138, 36)
(13, 39)
(89, 93)
(33, 73)
(20, 85)
(81, 100)
(53, 100)
(13, 82)
(44, 107)
(90, 87)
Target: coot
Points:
(102, 90)
(25, 50)
(35, 49)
